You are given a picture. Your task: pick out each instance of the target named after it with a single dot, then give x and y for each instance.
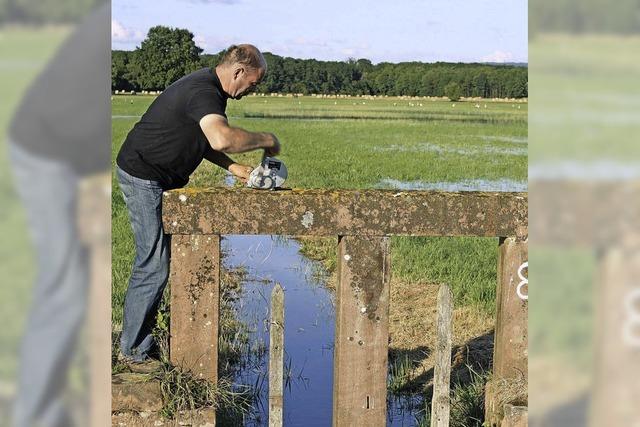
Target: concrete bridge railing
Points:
(362, 221)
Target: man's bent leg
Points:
(150, 269)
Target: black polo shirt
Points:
(167, 144)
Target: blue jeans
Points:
(48, 190)
(150, 270)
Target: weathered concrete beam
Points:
(362, 332)
(344, 212)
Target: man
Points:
(185, 124)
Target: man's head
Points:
(241, 69)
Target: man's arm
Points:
(227, 139)
(218, 158)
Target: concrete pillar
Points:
(362, 332)
(510, 352)
(195, 297)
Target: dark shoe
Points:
(147, 366)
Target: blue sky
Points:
(393, 31)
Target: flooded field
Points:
(464, 185)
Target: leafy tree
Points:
(453, 91)
(208, 60)
(166, 55)
(120, 72)
(516, 85)
(364, 65)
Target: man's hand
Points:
(240, 171)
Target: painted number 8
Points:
(632, 326)
(523, 281)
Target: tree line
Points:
(169, 53)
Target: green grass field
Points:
(359, 143)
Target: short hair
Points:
(245, 54)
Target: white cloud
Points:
(200, 41)
(498, 56)
(119, 33)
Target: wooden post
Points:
(195, 295)
(440, 407)
(276, 357)
(362, 332)
(510, 351)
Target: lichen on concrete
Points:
(340, 212)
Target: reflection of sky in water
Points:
(505, 185)
(309, 323)
(309, 328)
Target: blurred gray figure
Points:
(584, 175)
(58, 138)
